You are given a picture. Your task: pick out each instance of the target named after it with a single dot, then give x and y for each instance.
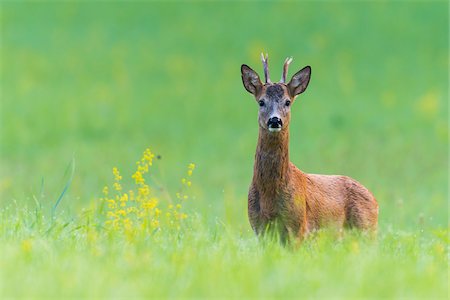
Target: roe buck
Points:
(281, 195)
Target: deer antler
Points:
(266, 67)
(285, 69)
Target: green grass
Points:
(78, 259)
(100, 82)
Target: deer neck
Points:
(271, 170)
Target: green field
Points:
(86, 87)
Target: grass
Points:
(77, 259)
(96, 83)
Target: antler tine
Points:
(285, 69)
(266, 67)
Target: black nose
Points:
(274, 122)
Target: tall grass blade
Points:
(71, 166)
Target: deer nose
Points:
(274, 122)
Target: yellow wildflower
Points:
(137, 209)
(117, 186)
(116, 173)
(138, 177)
(148, 156)
(144, 190)
(191, 168)
(143, 168)
(150, 204)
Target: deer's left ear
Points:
(299, 81)
(251, 80)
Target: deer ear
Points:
(251, 80)
(299, 81)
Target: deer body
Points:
(281, 195)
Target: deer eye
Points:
(261, 103)
(288, 103)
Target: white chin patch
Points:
(274, 129)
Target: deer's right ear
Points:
(299, 81)
(251, 80)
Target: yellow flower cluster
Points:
(137, 210)
(185, 183)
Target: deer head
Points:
(275, 99)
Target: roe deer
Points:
(281, 195)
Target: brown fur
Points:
(295, 202)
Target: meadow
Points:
(88, 86)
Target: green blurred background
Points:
(101, 81)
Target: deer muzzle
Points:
(274, 124)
